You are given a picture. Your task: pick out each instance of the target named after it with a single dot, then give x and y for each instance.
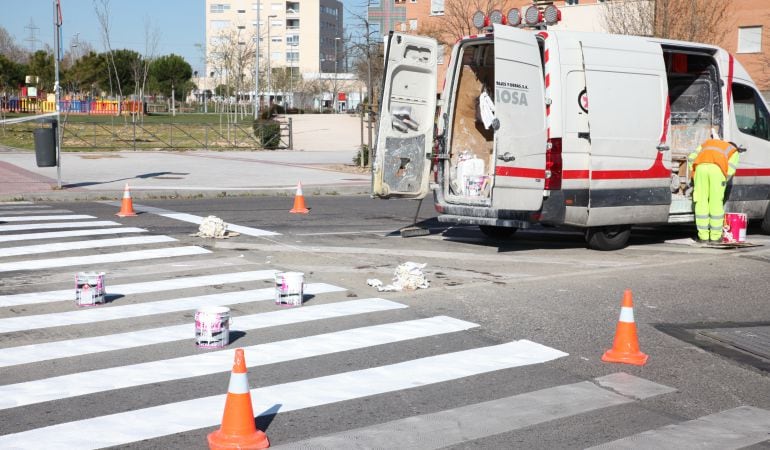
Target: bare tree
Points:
(10, 50)
(457, 19)
(101, 8)
(688, 20)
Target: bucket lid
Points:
(213, 309)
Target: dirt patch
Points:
(347, 168)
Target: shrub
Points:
(268, 133)
(363, 151)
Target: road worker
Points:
(712, 165)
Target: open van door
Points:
(521, 139)
(407, 111)
(628, 118)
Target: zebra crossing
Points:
(146, 325)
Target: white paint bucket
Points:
(212, 326)
(289, 287)
(89, 288)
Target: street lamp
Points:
(336, 76)
(269, 69)
(256, 65)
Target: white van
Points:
(589, 130)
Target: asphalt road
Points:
(540, 293)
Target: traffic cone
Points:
(625, 348)
(299, 202)
(127, 206)
(238, 429)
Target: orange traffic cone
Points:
(238, 429)
(299, 202)
(625, 349)
(127, 207)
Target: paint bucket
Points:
(474, 185)
(89, 288)
(734, 228)
(289, 287)
(212, 326)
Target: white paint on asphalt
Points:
(107, 312)
(103, 258)
(33, 211)
(85, 346)
(71, 233)
(179, 417)
(37, 218)
(477, 421)
(82, 245)
(84, 383)
(59, 225)
(731, 429)
(190, 218)
(121, 290)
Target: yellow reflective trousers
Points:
(708, 196)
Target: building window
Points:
(276, 56)
(276, 6)
(276, 39)
(217, 25)
(216, 8)
(292, 56)
(241, 11)
(412, 24)
(276, 23)
(750, 39)
(292, 39)
(571, 2)
(436, 7)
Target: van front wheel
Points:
(608, 238)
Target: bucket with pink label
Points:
(289, 288)
(212, 326)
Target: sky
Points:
(181, 24)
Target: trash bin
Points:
(45, 146)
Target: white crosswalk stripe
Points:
(92, 315)
(137, 255)
(81, 245)
(46, 369)
(36, 218)
(58, 225)
(118, 290)
(66, 234)
(85, 346)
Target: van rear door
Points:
(520, 142)
(630, 169)
(407, 111)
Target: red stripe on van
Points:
(752, 173)
(666, 119)
(730, 82)
(520, 172)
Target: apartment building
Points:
(302, 35)
(748, 23)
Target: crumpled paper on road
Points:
(214, 227)
(407, 276)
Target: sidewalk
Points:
(325, 144)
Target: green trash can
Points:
(45, 146)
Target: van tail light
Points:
(553, 166)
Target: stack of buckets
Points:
(89, 288)
(734, 228)
(212, 323)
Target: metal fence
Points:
(136, 135)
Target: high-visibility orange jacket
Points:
(715, 151)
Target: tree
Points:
(125, 65)
(687, 20)
(9, 49)
(90, 72)
(457, 19)
(41, 64)
(11, 74)
(171, 70)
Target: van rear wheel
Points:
(497, 232)
(608, 238)
(765, 227)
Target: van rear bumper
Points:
(480, 215)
